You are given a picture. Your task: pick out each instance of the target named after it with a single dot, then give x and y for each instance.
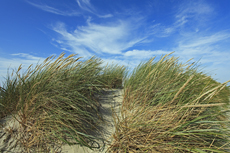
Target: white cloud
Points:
(105, 16)
(70, 10)
(143, 54)
(190, 15)
(85, 5)
(20, 58)
(192, 10)
(53, 10)
(112, 38)
(169, 30)
(27, 56)
(205, 40)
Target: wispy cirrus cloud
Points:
(14, 60)
(143, 54)
(203, 43)
(188, 16)
(54, 10)
(25, 56)
(70, 10)
(198, 40)
(85, 5)
(110, 38)
(192, 10)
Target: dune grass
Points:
(172, 107)
(55, 103)
(112, 75)
(167, 107)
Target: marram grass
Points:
(113, 75)
(55, 103)
(167, 107)
(172, 107)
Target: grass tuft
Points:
(113, 75)
(55, 103)
(172, 107)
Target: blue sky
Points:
(123, 31)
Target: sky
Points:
(125, 32)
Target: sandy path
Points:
(109, 98)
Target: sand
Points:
(9, 126)
(110, 98)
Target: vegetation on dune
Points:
(55, 102)
(112, 75)
(167, 107)
(172, 107)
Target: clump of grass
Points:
(112, 75)
(172, 107)
(55, 103)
